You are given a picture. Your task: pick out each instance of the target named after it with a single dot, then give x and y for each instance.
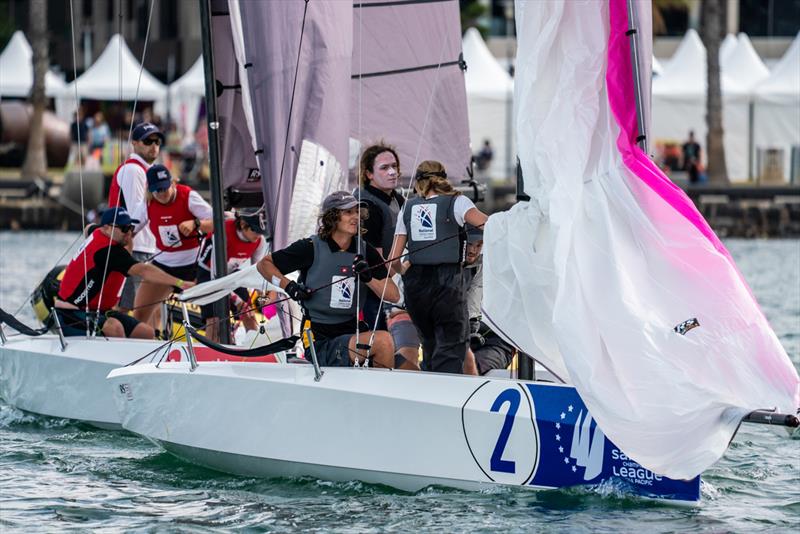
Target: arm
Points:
(392, 293)
(397, 265)
(271, 273)
(476, 217)
(203, 214)
(132, 181)
(153, 274)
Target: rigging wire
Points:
(80, 151)
(130, 131)
(359, 178)
(289, 119)
(409, 188)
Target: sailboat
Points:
(636, 415)
(279, 139)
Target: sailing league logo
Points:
(587, 447)
(169, 235)
(423, 222)
(342, 289)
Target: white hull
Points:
(403, 429)
(37, 377)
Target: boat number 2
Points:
(512, 397)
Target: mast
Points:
(221, 308)
(633, 32)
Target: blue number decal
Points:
(511, 396)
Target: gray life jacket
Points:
(335, 303)
(433, 235)
(389, 212)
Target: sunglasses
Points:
(152, 140)
(125, 228)
(162, 189)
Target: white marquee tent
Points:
(679, 105)
(115, 76)
(777, 107)
(657, 67)
(16, 70)
(743, 65)
(185, 96)
(727, 46)
(490, 93)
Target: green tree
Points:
(35, 164)
(471, 13)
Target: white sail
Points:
(596, 274)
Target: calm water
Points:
(57, 475)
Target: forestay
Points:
(596, 275)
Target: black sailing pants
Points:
(436, 301)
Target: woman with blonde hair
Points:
(432, 227)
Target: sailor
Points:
(329, 266)
(177, 216)
(487, 349)
(379, 172)
(128, 189)
(93, 281)
(432, 225)
(245, 244)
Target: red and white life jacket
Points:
(115, 197)
(163, 220)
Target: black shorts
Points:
(73, 322)
(184, 272)
(332, 352)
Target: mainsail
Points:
(301, 78)
(609, 276)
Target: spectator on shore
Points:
(691, 158)
(99, 134)
(79, 136)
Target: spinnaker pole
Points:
(221, 307)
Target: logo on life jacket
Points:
(423, 222)
(342, 292)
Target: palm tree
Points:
(36, 157)
(711, 31)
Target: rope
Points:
(80, 150)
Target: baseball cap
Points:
(254, 218)
(118, 216)
(340, 200)
(145, 129)
(474, 233)
(158, 178)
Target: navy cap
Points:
(158, 178)
(254, 218)
(145, 129)
(474, 234)
(117, 216)
(341, 200)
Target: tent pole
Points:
(221, 307)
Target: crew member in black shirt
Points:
(330, 267)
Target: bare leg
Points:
(470, 368)
(382, 349)
(148, 300)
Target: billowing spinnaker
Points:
(594, 274)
